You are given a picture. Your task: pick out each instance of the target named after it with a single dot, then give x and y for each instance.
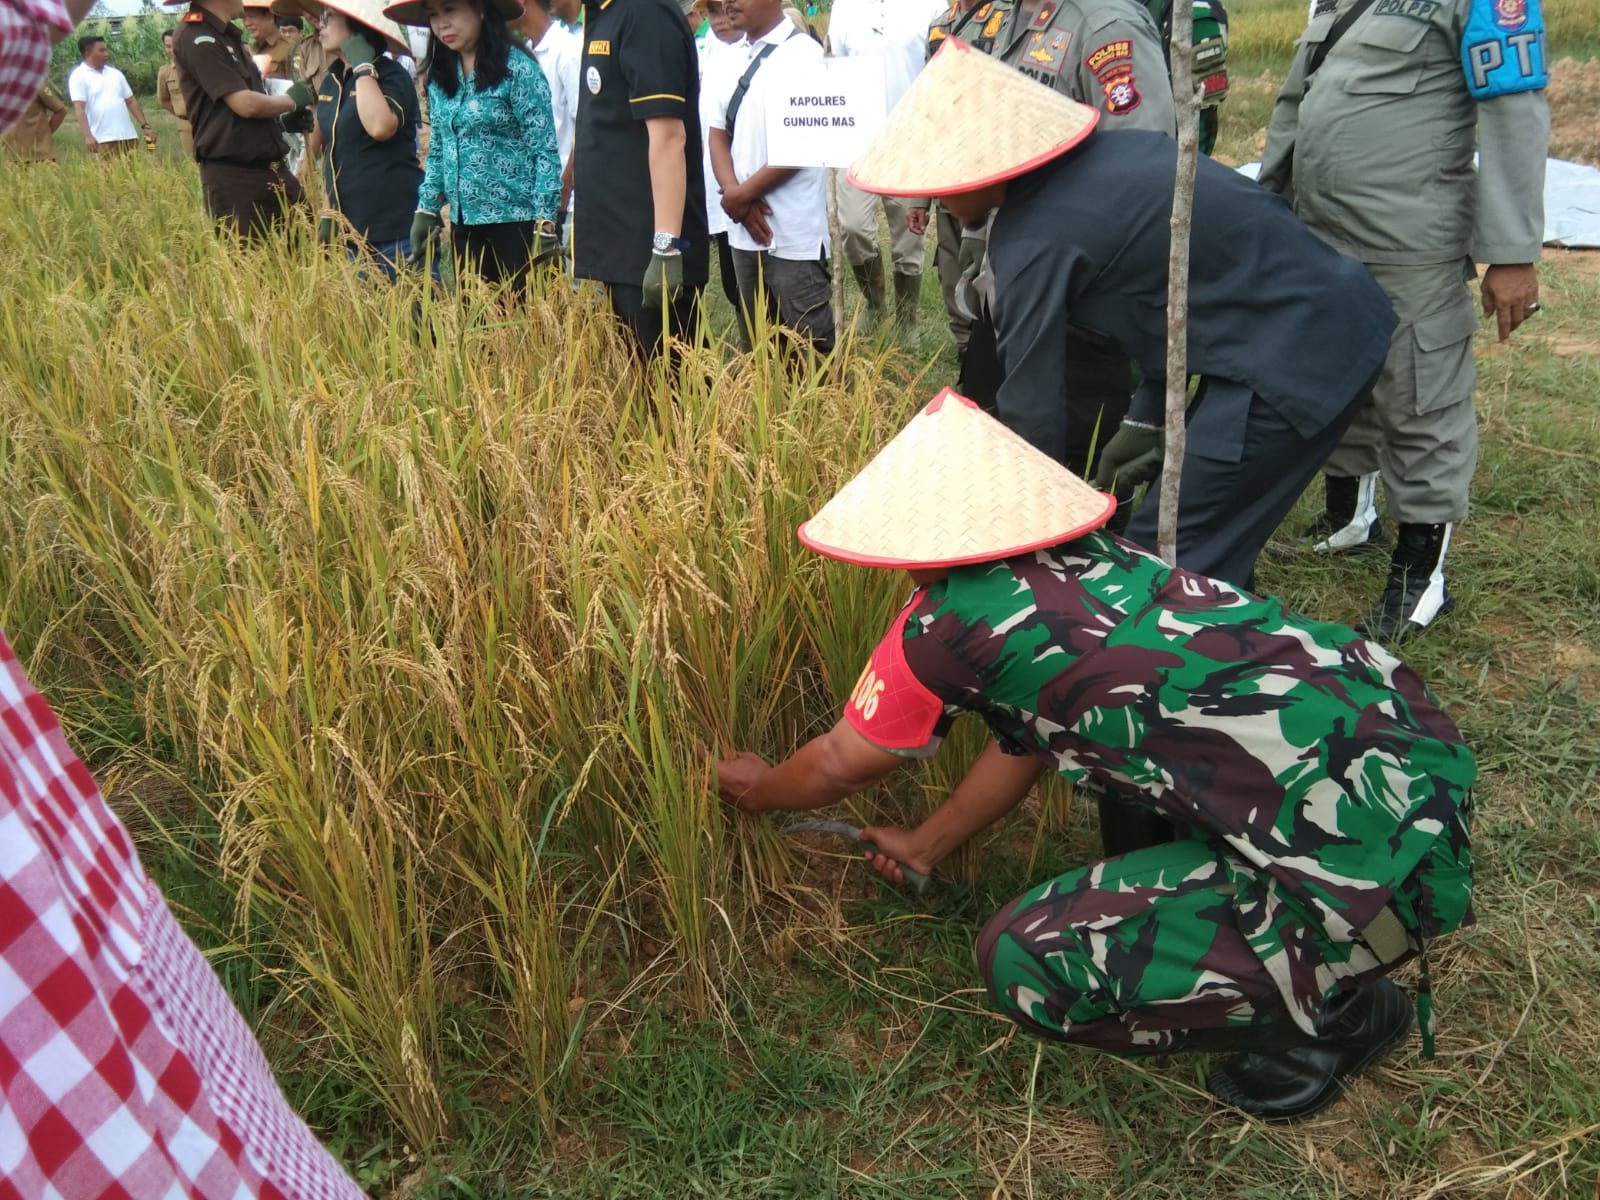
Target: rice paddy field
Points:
(404, 631)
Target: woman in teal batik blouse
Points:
(492, 145)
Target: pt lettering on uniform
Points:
(1489, 57)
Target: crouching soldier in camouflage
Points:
(1320, 795)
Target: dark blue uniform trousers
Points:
(1243, 469)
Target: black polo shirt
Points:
(213, 63)
(639, 62)
(374, 184)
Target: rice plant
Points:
(451, 604)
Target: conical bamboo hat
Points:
(968, 121)
(369, 12)
(412, 12)
(954, 486)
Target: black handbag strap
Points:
(743, 86)
(1340, 27)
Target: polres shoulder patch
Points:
(1503, 48)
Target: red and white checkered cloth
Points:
(27, 28)
(125, 1070)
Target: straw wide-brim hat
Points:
(369, 12)
(966, 122)
(954, 486)
(412, 12)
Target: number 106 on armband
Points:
(865, 698)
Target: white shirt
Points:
(558, 54)
(716, 59)
(893, 31)
(799, 217)
(104, 95)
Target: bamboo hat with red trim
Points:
(943, 137)
(369, 12)
(414, 12)
(954, 486)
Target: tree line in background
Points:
(134, 42)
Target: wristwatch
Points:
(665, 243)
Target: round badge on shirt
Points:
(592, 78)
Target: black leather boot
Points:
(1286, 1085)
(1348, 521)
(1415, 594)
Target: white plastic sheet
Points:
(1571, 203)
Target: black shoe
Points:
(1348, 521)
(1415, 595)
(1288, 1085)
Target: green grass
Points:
(1262, 33)
(823, 1037)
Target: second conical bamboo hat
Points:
(414, 12)
(966, 122)
(954, 486)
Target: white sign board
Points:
(824, 118)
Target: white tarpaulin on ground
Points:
(1571, 203)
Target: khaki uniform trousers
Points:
(858, 229)
(1420, 431)
(946, 254)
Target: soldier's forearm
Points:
(825, 770)
(993, 787)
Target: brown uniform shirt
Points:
(31, 137)
(213, 63)
(169, 94)
(311, 62)
(280, 54)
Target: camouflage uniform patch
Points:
(1316, 770)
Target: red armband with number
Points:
(889, 706)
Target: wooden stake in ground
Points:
(836, 259)
(1180, 50)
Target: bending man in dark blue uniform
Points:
(1286, 334)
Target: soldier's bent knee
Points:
(1045, 996)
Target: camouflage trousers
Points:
(1140, 954)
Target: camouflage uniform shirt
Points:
(1325, 766)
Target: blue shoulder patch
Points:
(1503, 48)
